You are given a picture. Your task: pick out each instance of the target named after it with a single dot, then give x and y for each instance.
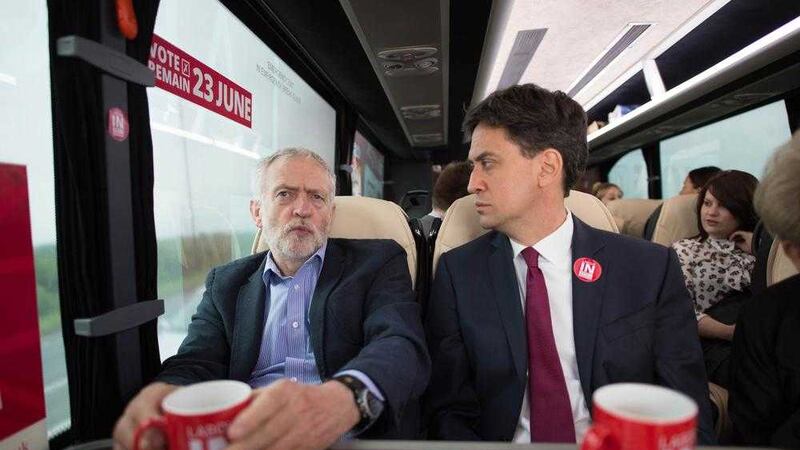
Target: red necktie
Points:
(551, 413)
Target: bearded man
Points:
(327, 330)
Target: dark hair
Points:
(700, 176)
(451, 184)
(734, 190)
(537, 119)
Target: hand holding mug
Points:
(195, 417)
(145, 406)
(298, 416)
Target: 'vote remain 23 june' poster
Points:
(22, 411)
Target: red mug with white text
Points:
(632, 416)
(196, 417)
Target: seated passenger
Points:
(698, 178)
(543, 294)
(607, 192)
(372, 346)
(765, 368)
(450, 186)
(718, 264)
(692, 184)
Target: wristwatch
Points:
(369, 406)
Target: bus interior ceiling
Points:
(411, 69)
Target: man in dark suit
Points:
(327, 329)
(527, 321)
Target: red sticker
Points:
(587, 269)
(117, 124)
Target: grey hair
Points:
(288, 153)
(776, 199)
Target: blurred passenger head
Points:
(294, 202)
(527, 144)
(725, 204)
(777, 198)
(698, 178)
(451, 184)
(607, 192)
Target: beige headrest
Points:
(678, 220)
(633, 213)
(779, 266)
(460, 224)
(367, 218)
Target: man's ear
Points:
(792, 250)
(552, 165)
(255, 212)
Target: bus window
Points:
(367, 166)
(742, 142)
(630, 174)
(222, 101)
(27, 140)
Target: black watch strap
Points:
(369, 406)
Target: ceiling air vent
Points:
(407, 53)
(525, 45)
(625, 39)
(409, 61)
(421, 112)
(430, 138)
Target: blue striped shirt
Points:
(286, 350)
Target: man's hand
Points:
(145, 405)
(297, 416)
(743, 240)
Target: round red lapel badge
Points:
(587, 269)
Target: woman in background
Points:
(606, 192)
(698, 178)
(717, 264)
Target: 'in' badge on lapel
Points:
(587, 269)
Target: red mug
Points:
(632, 416)
(196, 417)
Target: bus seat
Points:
(633, 213)
(779, 267)
(460, 224)
(367, 218)
(723, 427)
(761, 246)
(678, 220)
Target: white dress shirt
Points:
(555, 261)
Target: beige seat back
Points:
(633, 213)
(367, 218)
(779, 266)
(461, 225)
(678, 220)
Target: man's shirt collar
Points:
(271, 268)
(556, 247)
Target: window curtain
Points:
(82, 214)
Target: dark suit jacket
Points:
(634, 324)
(765, 368)
(363, 316)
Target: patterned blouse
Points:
(712, 269)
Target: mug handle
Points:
(596, 438)
(153, 422)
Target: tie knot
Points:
(531, 257)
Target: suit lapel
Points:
(332, 268)
(249, 325)
(586, 300)
(504, 284)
